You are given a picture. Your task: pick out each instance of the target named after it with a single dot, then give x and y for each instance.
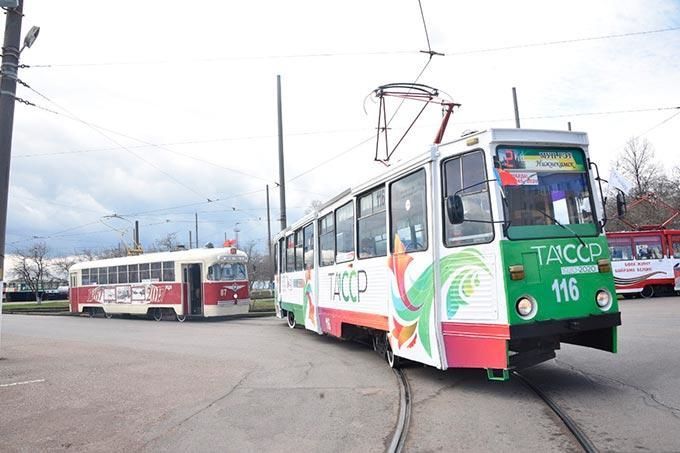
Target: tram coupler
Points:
(496, 374)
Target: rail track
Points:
(401, 431)
(571, 425)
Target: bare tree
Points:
(260, 267)
(637, 162)
(31, 267)
(313, 206)
(62, 265)
(165, 244)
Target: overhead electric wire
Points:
(427, 36)
(100, 132)
(229, 58)
(350, 54)
(187, 142)
(559, 42)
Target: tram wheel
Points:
(181, 318)
(647, 291)
(392, 360)
(108, 315)
(158, 314)
(290, 317)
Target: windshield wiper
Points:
(557, 222)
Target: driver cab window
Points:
(468, 172)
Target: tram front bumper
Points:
(595, 331)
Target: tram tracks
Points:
(401, 431)
(571, 425)
(405, 401)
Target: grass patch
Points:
(262, 305)
(28, 306)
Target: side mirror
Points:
(454, 209)
(620, 204)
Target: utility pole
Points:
(196, 229)
(190, 243)
(8, 89)
(269, 227)
(569, 125)
(514, 101)
(282, 176)
(236, 230)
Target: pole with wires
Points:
(8, 89)
(196, 214)
(282, 176)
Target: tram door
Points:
(193, 284)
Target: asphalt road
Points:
(253, 384)
(240, 385)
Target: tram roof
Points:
(507, 135)
(179, 255)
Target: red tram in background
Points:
(196, 283)
(645, 262)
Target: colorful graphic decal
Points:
(308, 298)
(413, 307)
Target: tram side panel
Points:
(473, 315)
(291, 292)
(352, 293)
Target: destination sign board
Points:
(541, 159)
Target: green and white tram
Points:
(484, 252)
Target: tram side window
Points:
(168, 271)
(648, 248)
(372, 224)
(676, 246)
(144, 275)
(620, 249)
(155, 272)
(103, 278)
(408, 211)
(133, 273)
(344, 233)
(290, 253)
(468, 172)
(122, 274)
(327, 240)
(86, 276)
(94, 277)
(299, 264)
(308, 252)
(113, 274)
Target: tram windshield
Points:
(547, 192)
(227, 271)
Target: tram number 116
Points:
(566, 290)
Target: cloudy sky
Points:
(165, 105)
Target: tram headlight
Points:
(603, 298)
(526, 307)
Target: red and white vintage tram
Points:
(645, 262)
(193, 283)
